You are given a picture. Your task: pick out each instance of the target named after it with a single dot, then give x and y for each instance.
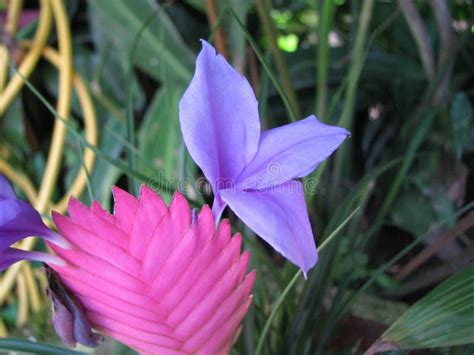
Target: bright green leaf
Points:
(159, 136)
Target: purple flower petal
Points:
(11, 256)
(219, 119)
(279, 216)
(248, 170)
(19, 220)
(291, 151)
(6, 190)
(63, 322)
(69, 319)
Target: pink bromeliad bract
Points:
(156, 278)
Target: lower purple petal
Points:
(218, 206)
(279, 216)
(12, 255)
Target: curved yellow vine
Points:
(90, 124)
(13, 16)
(22, 294)
(31, 59)
(62, 59)
(19, 180)
(59, 132)
(4, 58)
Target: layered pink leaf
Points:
(152, 278)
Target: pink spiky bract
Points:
(151, 278)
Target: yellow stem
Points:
(14, 12)
(13, 17)
(90, 124)
(43, 281)
(4, 58)
(63, 107)
(19, 180)
(31, 59)
(32, 287)
(59, 133)
(3, 329)
(22, 294)
(80, 181)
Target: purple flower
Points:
(251, 171)
(19, 220)
(69, 319)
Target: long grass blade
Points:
(292, 282)
(34, 348)
(132, 161)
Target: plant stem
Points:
(263, 10)
(264, 63)
(31, 59)
(346, 120)
(322, 70)
(214, 19)
(292, 282)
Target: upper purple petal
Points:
(6, 190)
(291, 151)
(279, 216)
(219, 119)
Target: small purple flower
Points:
(19, 220)
(251, 171)
(69, 319)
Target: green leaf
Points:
(104, 174)
(120, 349)
(444, 317)
(160, 44)
(34, 348)
(12, 130)
(159, 135)
(413, 213)
(461, 117)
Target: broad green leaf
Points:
(413, 213)
(160, 43)
(461, 117)
(159, 137)
(104, 174)
(12, 131)
(444, 317)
